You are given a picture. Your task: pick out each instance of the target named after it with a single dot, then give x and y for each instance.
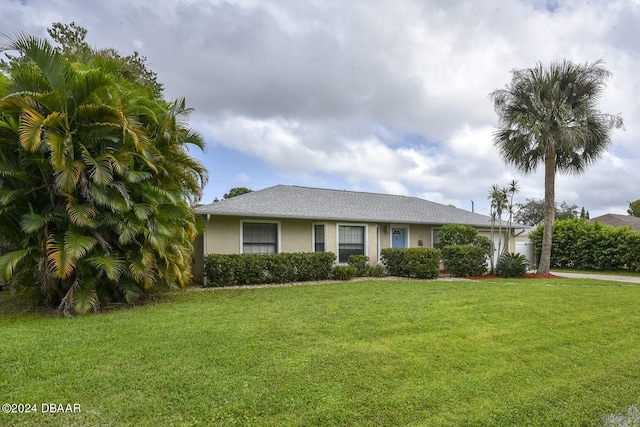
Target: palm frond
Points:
(51, 65)
(60, 261)
(77, 245)
(132, 293)
(88, 83)
(84, 299)
(31, 129)
(143, 211)
(60, 147)
(68, 177)
(112, 267)
(127, 232)
(33, 222)
(135, 177)
(80, 214)
(100, 169)
(9, 261)
(8, 196)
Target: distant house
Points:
(619, 220)
(286, 218)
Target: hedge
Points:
(421, 263)
(360, 263)
(584, 245)
(253, 269)
(465, 260)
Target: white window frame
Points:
(262, 221)
(432, 237)
(351, 224)
(313, 236)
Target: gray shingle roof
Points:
(619, 220)
(284, 201)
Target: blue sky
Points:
(387, 96)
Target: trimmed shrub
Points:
(376, 271)
(253, 269)
(360, 263)
(393, 261)
(465, 260)
(512, 265)
(458, 235)
(421, 263)
(343, 272)
(583, 245)
(632, 260)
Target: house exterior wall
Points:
(223, 236)
(420, 236)
(296, 235)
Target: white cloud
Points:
(381, 95)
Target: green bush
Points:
(252, 269)
(465, 260)
(512, 265)
(632, 260)
(458, 235)
(421, 263)
(393, 261)
(376, 271)
(343, 272)
(583, 245)
(360, 263)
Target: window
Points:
(350, 241)
(259, 238)
(318, 238)
(435, 238)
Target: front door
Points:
(397, 238)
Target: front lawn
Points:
(433, 353)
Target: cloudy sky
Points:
(386, 96)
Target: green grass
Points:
(371, 353)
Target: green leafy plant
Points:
(512, 265)
(393, 261)
(360, 263)
(584, 245)
(253, 269)
(376, 271)
(465, 260)
(343, 272)
(420, 263)
(97, 180)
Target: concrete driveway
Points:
(627, 279)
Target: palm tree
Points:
(511, 190)
(549, 116)
(95, 181)
(499, 202)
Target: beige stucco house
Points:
(286, 218)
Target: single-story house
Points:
(619, 220)
(287, 218)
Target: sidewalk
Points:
(628, 279)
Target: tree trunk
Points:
(549, 210)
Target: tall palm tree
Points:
(511, 189)
(549, 116)
(499, 202)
